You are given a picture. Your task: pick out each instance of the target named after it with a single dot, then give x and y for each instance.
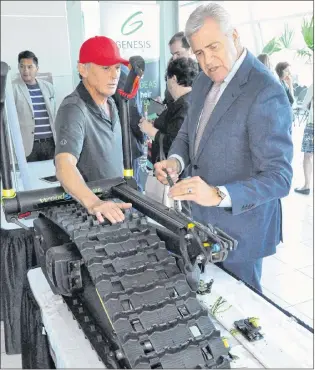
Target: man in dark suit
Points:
(237, 139)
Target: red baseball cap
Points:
(102, 51)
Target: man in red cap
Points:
(88, 131)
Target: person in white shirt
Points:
(36, 109)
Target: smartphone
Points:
(156, 106)
(50, 179)
(155, 101)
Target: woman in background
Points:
(180, 76)
(264, 58)
(308, 143)
(284, 73)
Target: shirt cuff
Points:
(180, 159)
(227, 201)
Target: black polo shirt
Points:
(84, 130)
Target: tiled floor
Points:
(288, 275)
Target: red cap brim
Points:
(121, 60)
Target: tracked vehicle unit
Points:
(131, 286)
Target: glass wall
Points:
(257, 25)
(91, 18)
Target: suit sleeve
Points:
(269, 126)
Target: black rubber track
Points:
(158, 321)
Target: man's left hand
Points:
(147, 127)
(196, 190)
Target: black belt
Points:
(43, 140)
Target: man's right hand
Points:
(111, 210)
(172, 166)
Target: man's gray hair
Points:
(212, 10)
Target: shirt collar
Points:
(235, 67)
(86, 97)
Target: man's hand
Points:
(172, 165)
(111, 210)
(196, 190)
(159, 99)
(72, 181)
(147, 127)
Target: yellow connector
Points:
(128, 173)
(254, 321)
(8, 193)
(225, 342)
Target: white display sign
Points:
(135, 29)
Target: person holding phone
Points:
(284, 72)
(180, 75)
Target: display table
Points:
(17, 256)
(70, 348)
(286, 344)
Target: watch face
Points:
(220, 193)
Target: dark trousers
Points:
(43, 150)
(249, 272)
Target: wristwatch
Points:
(220, 193)
(178, 165)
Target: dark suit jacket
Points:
(247, 147)
(169, 123)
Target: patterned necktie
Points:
(208, 107)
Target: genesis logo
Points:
(128, 28)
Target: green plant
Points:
(279, 43)
(307, 30)
(304, 53)
(286, 38)
(272, 47)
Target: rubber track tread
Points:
(156, 316)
